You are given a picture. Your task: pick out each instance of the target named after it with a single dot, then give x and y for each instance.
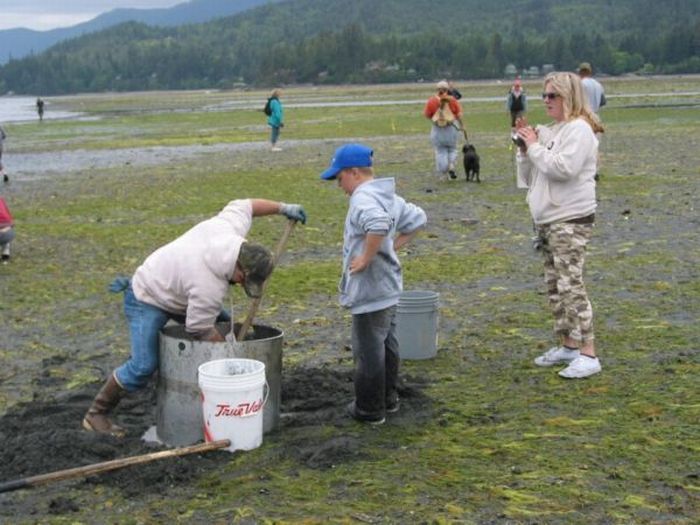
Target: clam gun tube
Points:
(105, 466)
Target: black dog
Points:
(471, 162)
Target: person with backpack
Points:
(516, 103)
(445, 113)
(275, 117)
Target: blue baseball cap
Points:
(348, 156)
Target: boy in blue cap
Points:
(378, 223)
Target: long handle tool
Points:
(255, 303)
(98, 468)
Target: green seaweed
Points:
(502, 441)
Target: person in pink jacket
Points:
(187, 281)
(7, 231)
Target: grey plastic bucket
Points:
(179, 419)
(417, 324)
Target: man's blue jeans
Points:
(145, 323)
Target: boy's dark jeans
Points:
(376, 353)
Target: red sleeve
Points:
(455, 107)
(431, 107)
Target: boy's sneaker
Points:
(556, 356)
(364, 417)
(392, 405)
(5, 258)
(582, 366)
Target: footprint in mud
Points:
(315, 397)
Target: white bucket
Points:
(233, 399)
(417, 319)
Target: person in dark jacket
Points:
(40, 109)
(516, 103)
(3, 136)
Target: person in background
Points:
(558, 164)
(40, 109)
(445, 113)
(276, 118)
(3, 136)
(595, 94)
(378, 223)
(187, 281)
(7, 231)
(516, 103)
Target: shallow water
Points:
(23, 109)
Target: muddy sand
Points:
(45, 435)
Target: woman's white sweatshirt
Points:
(559, 172)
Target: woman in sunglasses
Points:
(558, 164)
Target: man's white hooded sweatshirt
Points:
(190, 276)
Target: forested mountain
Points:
(370, 41)
(20, 42)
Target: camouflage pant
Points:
(564, 248)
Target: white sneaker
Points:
(557, 355)
(581, 367)
(275, 148)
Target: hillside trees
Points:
(266, 48)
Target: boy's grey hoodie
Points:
(375, 208)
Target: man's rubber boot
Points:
(107, 398)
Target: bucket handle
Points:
(267, 393)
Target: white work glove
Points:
(294, 212)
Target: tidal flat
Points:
(483, 436)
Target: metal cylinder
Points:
(179, 406)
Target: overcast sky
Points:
(50, 14)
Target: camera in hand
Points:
(517, 140)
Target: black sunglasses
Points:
(549, 96)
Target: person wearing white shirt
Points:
(593, 89)
(186, 280)
(558, 164)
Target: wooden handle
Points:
(98, 468)
(255, 303)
